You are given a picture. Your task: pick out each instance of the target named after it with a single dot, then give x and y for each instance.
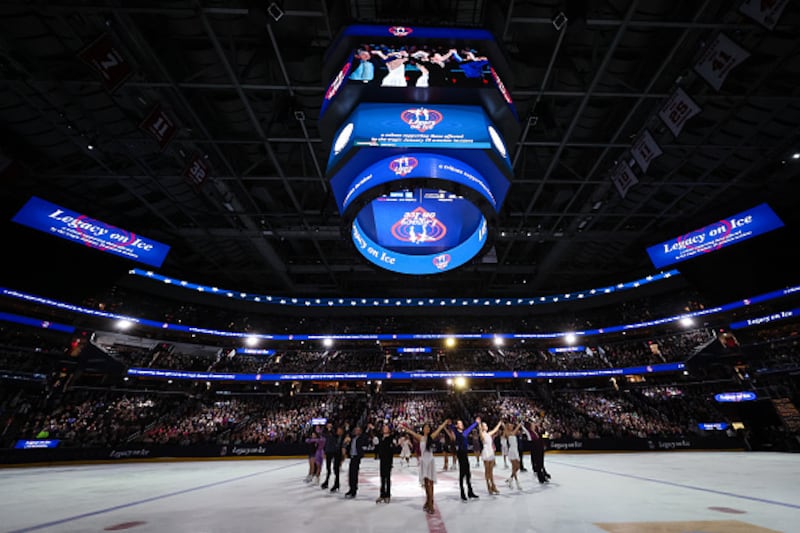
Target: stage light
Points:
(124, 324)
(687, 321)
(251, 341)
(498, 341)
(460, 382)
(450, 342)
(327, 343)
(570, 338)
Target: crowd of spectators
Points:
(107, 418)
(412, 410)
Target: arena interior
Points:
(231, 272)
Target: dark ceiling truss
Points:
(245, 88)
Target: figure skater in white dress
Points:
(510, 435)
(488, 454)
(405, 450)
(395, 63)
(427, 467)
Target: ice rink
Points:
(650, 492)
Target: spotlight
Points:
(460, 382)
(124, 324)
(687, 321)
(796, 155)
(450, 342)
(251, 341)
(327, 342)
(570, 338)
(498, 341)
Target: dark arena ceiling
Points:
(244, 82)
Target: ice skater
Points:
(427, 469)
(385, 452)
(488, 454)
(405, 450)
(462, 452)
(510, 436)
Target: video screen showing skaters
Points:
(419, 66)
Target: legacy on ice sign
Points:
(739, 227)
(55, 220)
(417, 121)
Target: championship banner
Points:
(107, 60)
(623, 178)
(159, 126)
(765, 12)
(196, 172)
(721, 56)
(678, 110)
(645, 149)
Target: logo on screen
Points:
(700, 240)
(419, 226)
(337, 81)
(441, 261)
(400, 31)
(421, 118)
(402, 166)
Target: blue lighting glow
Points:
(398, 336)
(350, 376)
(402, 302)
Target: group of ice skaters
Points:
(328, 445)
(485, 449)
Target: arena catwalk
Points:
(663, 492)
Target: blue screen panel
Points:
(414, 349)
(766, 319)
(36, 444)
(713, 426)
(347, 187)
(417, 263)
(158, 373)
(421, 221)
(79, 228)
(380, 125)
(727, 397)
(739, 227)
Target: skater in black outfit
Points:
(334, 444)
(355, 445)
(385, 452)
(537, 454)
(459, 435)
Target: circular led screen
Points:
(419, 260)
(419, 213)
